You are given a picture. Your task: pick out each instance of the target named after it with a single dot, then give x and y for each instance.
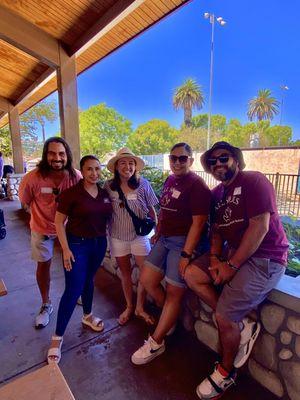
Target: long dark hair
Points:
(43, 165)
(133, 181)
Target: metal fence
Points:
(287, 189)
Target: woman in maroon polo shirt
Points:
(87, 208)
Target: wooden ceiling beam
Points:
(27, 37)
(4, 105)
(38, 83)
(120, 10)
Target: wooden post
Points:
(68, 103)
(14, 127)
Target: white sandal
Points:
(55, 351)
(96, 324)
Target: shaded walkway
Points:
(95, 365)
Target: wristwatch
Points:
(184, 254)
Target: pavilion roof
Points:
(32, 32)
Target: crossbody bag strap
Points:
(123, 197)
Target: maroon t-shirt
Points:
(87, 216)
(181, 198)
(250, 194)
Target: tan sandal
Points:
(54, 353)
(95, 323)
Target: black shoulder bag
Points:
(142, 226)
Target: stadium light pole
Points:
(283, 88)
(212, 19)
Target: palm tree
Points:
(188, 96)
(264, 106)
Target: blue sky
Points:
(258, 48)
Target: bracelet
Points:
(231, 265)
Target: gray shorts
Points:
(42, 246)
(248, 288)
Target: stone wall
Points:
(275, 358)
(13, 182)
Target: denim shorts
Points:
(165, 256)
(248, 288)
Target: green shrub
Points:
(156, 177)
(292, 231)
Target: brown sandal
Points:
(149, 319)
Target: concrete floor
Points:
(94, 365)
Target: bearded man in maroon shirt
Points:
(247, 258)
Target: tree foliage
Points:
(154, 137)
(5, 142)
(264, 106)
(35, 118)
(188, 96)
(233, 131)
(102, 130)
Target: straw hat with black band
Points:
(125, 152)
(235, 151)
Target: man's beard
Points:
(226, 176)
(57, 166)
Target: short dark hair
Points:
(87, 158)
(43, 165)
(186, 147)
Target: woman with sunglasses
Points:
(185, 205)
(123, 240)
(87, 208)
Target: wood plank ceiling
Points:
(71, 22)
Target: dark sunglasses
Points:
(56, 191)
(222, 158)
(181, 159)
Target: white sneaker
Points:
(215, 384)
(43, 318)
(249, 335)
(147, 352)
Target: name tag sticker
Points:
(176, 193)
(131, 196)
(106, 200)
(46, 190)
(237, 191)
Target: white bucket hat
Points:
(125, 152)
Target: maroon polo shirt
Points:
(181, 198)
(87, 216)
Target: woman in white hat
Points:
(123, 239)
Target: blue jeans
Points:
(88, 254)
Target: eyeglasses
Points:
(223, 158)
(181, 159)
